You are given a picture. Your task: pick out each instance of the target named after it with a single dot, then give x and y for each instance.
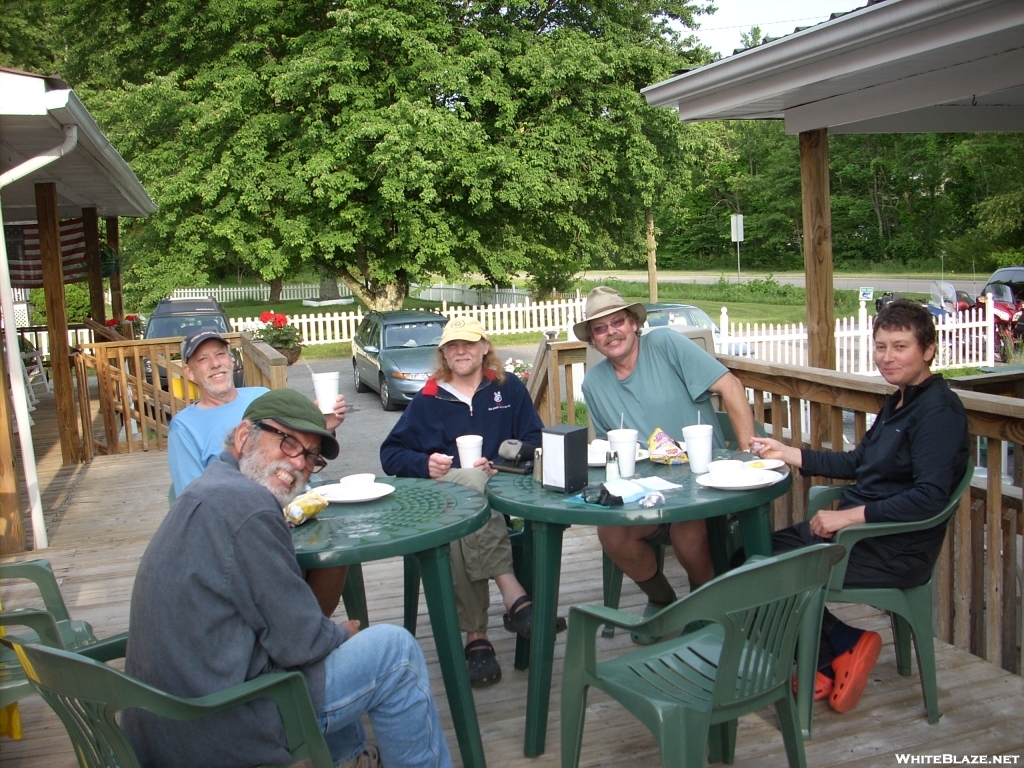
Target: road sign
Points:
(737, 227)
(867, 294)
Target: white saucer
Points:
(764, 464)
(342, 493)
(745, 480)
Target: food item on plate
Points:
(303, 507)
(665, 450)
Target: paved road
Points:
(880, 284)
(367, 424)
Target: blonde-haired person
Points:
(470, 395)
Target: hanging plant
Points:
(111, 260)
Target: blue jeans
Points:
(381, 671)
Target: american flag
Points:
(26, 262)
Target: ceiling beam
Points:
(998, 72)
(949, 118)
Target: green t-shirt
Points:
(666, 389)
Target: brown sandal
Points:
(484, 669)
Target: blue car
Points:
(394, 353)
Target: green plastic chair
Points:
(910, 609)
(86, 695)
(52, 626)
(739, 660)
(724, 537)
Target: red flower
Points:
(130, 318)
(111, 322)
(265, 317)
(280, 321)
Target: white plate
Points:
(593, 461)
(746, 480)
(341, 493)
(764, 464)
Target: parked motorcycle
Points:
(1006, 310)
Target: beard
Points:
(255, 466)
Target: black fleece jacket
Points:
(906, 467)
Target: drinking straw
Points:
(622, 420)
(698, 418)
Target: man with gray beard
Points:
(219, 599)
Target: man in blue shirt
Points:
(197, 433)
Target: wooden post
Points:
(57, 320)
(652, 259)
(90, 223)
(114, 241)
(817, 214)
(12, 532)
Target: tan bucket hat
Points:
(463, 329)
(603, 301)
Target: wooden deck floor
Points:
(109, 510)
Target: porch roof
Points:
(903, 66)
(34, 111)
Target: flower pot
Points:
(291, 353)
(108, 268)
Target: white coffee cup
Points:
(325, 388)
(724, 469)
(698, 446)
(360, 480)
(470, 449)
(623, 442)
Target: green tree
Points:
(386, 140)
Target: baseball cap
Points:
(294, 410)
(195, 339)
(463, 329)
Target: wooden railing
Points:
(978, 597)
(140, 386)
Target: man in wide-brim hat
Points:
(660, 380)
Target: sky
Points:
(721, 30)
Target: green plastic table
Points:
(421, 517)
(548, 514)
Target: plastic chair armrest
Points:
(107, 650)
(39, 621)
(820, 496)
(41, 574)
(288, 690)
(600, 614)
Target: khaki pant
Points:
(477, 558)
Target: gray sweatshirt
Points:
(219, 599)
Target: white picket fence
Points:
(966, 339)
(259, 292)
(453, 294)
(497, 319)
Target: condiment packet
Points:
(302, 508)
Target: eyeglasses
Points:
(614, 325)
(291, 447)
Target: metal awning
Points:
(897, 66)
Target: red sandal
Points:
(852, 669)
(823, 685)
